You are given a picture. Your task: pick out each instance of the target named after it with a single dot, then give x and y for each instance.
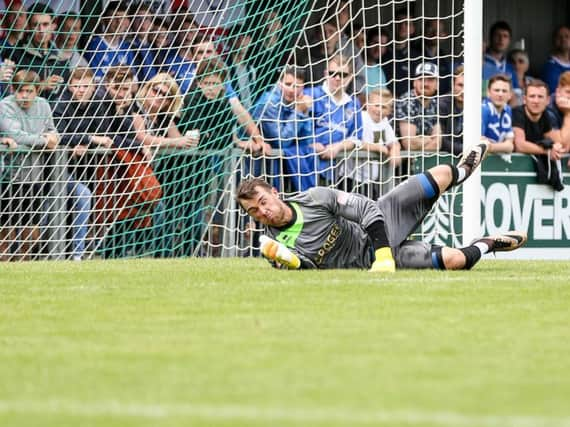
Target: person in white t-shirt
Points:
(369, 173)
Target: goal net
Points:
(127, 126)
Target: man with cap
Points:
(416, 111)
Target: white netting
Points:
(152, 115)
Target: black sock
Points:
(472, 256)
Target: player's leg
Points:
(416, 255)
(448, 175)
(466, 258)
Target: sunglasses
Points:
(340, 74)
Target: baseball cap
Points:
(426, 69)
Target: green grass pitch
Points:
(232, 342)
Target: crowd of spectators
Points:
(342, 109)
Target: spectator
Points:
(26, 118)
(373, 74)
(78, 117)
(319, 45)
(534, 135)
(159, 101)
(14, 21)
(141, 36)
(378, 137)
(495, 60)
(496, 115)
(108, 47)
(559, 62)
(337, 122)
(37, 51)
(404, 55)
(6, 73)
(559, 110)
(436, 35)
(208, 111)
(67, 37)
(242, 72)
(285, 124)
(204, 49)
(417, 112)
(520, 62)
(161, 45)
(451, 115)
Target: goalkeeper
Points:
(326, 228)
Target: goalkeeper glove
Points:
(384, 262)
(279, 253)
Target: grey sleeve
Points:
(354, 207)
(12, 127)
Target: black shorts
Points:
(20, 204)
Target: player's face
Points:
(291, 88)
(536, 100)
(267, 208)
(81, 89)
(499, 93)
(25, 96)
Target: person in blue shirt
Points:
(559, 62)
(337, 121)
(495, 58)
(496, 116)
(109, 48)
(285, 125)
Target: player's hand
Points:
(384, 262)
(278, 253)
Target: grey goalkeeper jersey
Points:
(328, 228)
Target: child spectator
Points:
(496, 115)
(378, 137)
(559, 62)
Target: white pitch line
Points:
(308, 415)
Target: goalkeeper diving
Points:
(328, 228)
